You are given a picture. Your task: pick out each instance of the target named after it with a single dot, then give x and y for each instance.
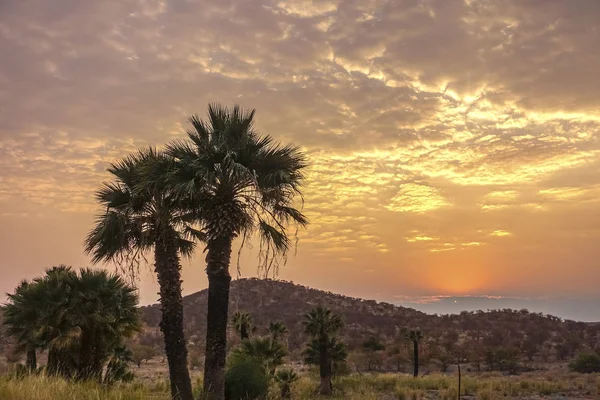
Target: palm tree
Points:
(240, 183)
(108, 314)
(415, 336)
(277, 330)
(242, 323)
(79, 318)
(322, 326)
(285, 378)
(21, 315)
(137, 220)
(265, 350)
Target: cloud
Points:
(467, 123)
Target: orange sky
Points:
(454, 145)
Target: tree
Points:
(415, 336)
(242, 323)
(321, 325)
(373, 348)
(21, 320)
(265, 350)
(80, 318)
(239, 183)
(285, 378)
(143, 217)
(142, 353)
(277, 330)
(586, 363)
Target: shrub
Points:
(245, 379)
(586, 363)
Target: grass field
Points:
(352, 387)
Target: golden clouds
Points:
(429, 146)
(417, 198)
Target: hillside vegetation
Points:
(507, 340)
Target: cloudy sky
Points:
(454, 145)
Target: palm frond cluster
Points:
(79, 318)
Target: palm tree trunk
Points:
(168, 270)
(324, 369)
(416, 358)
(31, 362)
(219, 280)
(244, 332)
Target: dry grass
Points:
(352, 387)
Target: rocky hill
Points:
(531, 335)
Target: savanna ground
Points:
(151, 383)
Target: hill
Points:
(469, 336)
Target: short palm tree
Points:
(285, 378)
(21, 316)
(415, 336)
(240, 183)
(277, 330)
(136, 220)
(79, 318)
(104, 308)
(242, 323)
(322, 326)
(265, 350)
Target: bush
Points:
(245, 379)
(586, 363)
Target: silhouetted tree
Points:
(141, 216)
(415, 336)
(242, 323)
(240, 182)
(321, 325)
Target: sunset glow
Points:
(454, 146)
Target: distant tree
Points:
(277, 330)
(502, 359)
(398, 354)
(242, 323)
(195, 359)
(322, 326)
(415, 336)
(586, 363)
(373, 348)
(142, 353)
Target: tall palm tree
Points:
(240, 183)
(322, 326)
(136, 220)
(277, 330)
(242, 323)
(415, 336)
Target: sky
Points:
(454, 146)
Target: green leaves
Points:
(140, 210)
(321, 321)
(69, 313)
(238, 181)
